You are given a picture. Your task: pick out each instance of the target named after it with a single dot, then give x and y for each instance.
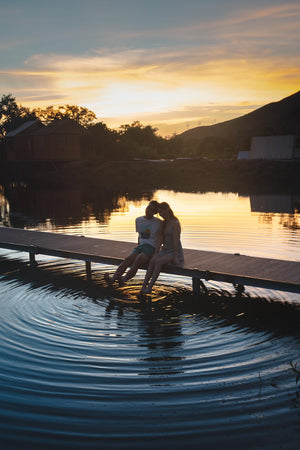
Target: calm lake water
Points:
(84, 366)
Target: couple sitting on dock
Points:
(158, 244)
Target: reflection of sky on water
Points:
(260, 225)
(90, 360)
(4, 209)
(218, 221)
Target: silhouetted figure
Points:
(149, 229)
(171, 251)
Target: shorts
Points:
(147, 249)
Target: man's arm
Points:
(137, 229)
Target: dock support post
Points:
(88, 270)
(198, 286)
(239, 288)
(32, 260)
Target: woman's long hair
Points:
(166, 206)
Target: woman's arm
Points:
(160, 238)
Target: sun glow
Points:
(200, 71)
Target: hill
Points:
(228, 138)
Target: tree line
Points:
(130, 141)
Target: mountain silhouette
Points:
(277, 118)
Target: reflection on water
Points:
(159, 324)
(256, 225)
(284, 204)
(86, 366)
(4, 209)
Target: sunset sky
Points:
(168, 63)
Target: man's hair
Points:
(154, 204)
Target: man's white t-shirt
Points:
(148, 229)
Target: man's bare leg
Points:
(140, 262)
(128, 261)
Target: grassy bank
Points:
(184, 175)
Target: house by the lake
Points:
(284, 147)
(61, 140)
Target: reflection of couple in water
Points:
(158, 244)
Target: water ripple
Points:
(84, 366)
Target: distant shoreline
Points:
(178, 174)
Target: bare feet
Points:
(147, 290)
(144, 291)
(108, 279)
(121, 282)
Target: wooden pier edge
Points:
(197, 275)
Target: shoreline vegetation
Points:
(192, 175)
(221, 141)
(135, 158)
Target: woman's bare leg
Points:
(159, 263)
(149, 273)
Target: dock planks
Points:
(199, 264)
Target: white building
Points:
(274, 147)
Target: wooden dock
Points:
(200, 265)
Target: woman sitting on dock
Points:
(149, 230)
(171, 251)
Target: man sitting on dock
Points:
(149, 229)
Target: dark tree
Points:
(79, 114)
(145, 135)
(106, 141)
(13, 115)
